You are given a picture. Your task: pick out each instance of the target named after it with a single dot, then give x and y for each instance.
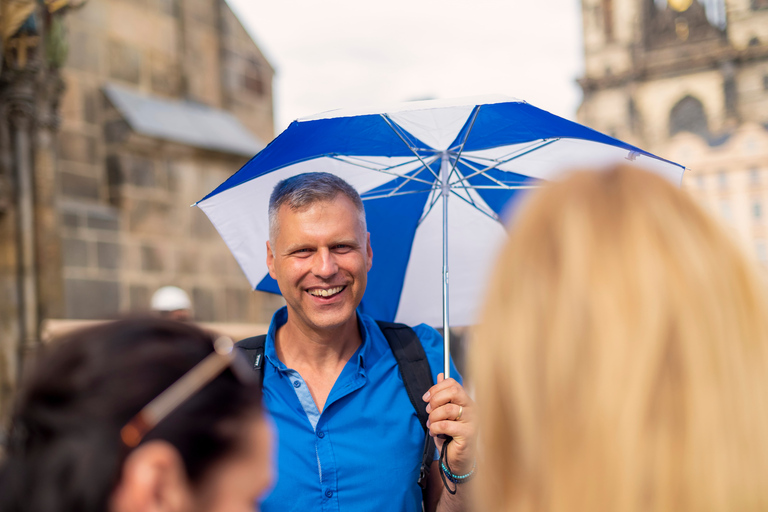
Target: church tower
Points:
(688, 80)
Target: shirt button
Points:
(320, 434)
(297, 384)
(329, 493)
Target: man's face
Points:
(321, 261)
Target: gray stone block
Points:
(139, 297)
(150, 217)
(75, 252)
(201, 226)
(236, 305)
(91, 299)
(188, 262)
(78, 186)
(124, 62)
(151, 259)
(269, 303)
(116, 130)
(107, 220)
(142, 172)
(203, 305)
(83, 51)
(71, 220)
(115, 174)
(108, 255)
(90, 105)
(77, 148)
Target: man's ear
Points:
(271, 261)
(153, 480)
(369, 250)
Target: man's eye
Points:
(341, 247)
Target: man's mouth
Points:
(330, 292)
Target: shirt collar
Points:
(367, 354)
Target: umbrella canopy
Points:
(428, 172)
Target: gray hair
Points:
(306, 189)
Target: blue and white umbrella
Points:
(434, 176)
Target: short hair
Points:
(64, 449)
(305, 189)
(621, 359)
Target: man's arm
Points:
(451, 413)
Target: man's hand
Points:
(452, 413)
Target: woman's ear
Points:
(153, 480)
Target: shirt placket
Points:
(327, 467)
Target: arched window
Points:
(688, 116)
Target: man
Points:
(349, 437)
(172, 302)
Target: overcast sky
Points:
(348, 53)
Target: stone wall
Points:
(124, 199)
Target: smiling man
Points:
(349, 436)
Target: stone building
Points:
(151, 105)
(688, 80)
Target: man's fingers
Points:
(450, 429)
(441, 385)
(453, 394)
(448, 412)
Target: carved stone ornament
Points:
(680, 22)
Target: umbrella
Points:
(435, 178)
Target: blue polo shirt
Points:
(363, 451)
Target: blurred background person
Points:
(137, 415)
(621, 360)
(172, 302)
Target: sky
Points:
(350, 53)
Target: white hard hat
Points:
(170, 298)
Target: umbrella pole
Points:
(445, 190)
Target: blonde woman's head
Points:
(621, 359)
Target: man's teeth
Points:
(326, 293)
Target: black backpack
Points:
(414, 368)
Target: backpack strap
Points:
(417, 377)
(253, 348)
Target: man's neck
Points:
(318, 356)
(298, 345)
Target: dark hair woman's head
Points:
(65, 450)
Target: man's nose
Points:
(324, 264)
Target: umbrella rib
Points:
(466, 189)
(504, 187)
(408, 178)
(392, 125)
(491, 216)
(534, 145)
(500, 162)
(348, 160)
(475, 112)
(390, 194)
(482, 172)
(433, 201)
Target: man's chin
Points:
(331, 320)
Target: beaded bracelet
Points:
(458, 479)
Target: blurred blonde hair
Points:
(621, 359)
